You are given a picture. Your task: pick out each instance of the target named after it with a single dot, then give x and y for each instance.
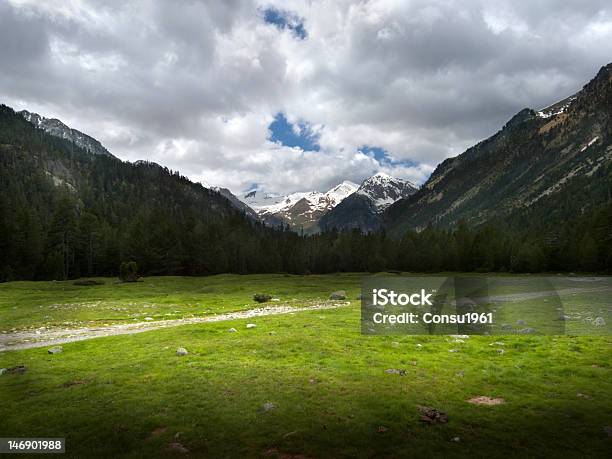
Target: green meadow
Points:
(305, 384)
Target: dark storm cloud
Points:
(195, 85)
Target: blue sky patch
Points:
(285, 20)
(382, 156)
(284, 132)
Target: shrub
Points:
(262, 297)
(128, 271)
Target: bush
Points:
(128, 271)
(262, 297)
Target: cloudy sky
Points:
(295, 95)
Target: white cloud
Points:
(195, 85)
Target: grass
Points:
(131, 396)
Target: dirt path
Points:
(41, 338)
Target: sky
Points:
(296, 95)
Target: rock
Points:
(459, 341)
(432, 416)
(599, 322)
(2, 371)
(181, 351)
(275, 299)
(396, 371)
(456, 439)
(262, 297)
(419, 346)
(520, 322)
(506, 327)
(497, 343)
(268, 406)
(460, 336)
(500, 351)
(452, 350)
(580, 395)
(527, 331)
(232, 330)
(395, 344)
(55, 350)
(563, 318)
(251, 326)
(149, 318)
(338, 295)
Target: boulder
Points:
(181, 351)
(338, 295)
(55, 350)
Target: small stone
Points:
(395, 344)
(149, 318)
(527, 331)
(419, 346)
(232, 330)
(268, 406)
(497, 343)
(55, 350)
(456, 439)
(181, 351)
(458, 341)
(2, 371)
(453, 350)
(599, 322)
(580, 395)
(275, 299)
(251, 326)
(500, 351)
(396, 371)
(338, 295)
(520, 322)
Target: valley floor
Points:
(304, 383)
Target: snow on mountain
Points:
(556, 108)
(383, 190)
(58, 129)
(300, 210)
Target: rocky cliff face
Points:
(58, 129)
(542, 159)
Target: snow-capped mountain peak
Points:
(383, 190)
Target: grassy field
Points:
(299, 385)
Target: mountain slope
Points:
(553, 162)
(66, 212)
(300, 211)
(362, 210)
(56, 128)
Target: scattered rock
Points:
(563, 318)
(395, 344)
(338, 295)
(149, 318)
(396, 371)
(599, 322)
(580, 395)
(527, 331)
(458, 341)
(232, 330)
(181, 351)
(520, 322)
(2, 371)
(459, 374)
(453, 350)
(460, 336)
(484, 400)
(382, 429)
(432, 416)
(500, 351)
(506, 327)
(456, 439)
(275, 299)
(177, 448)
(268, 406)
(55, 350)
(251, 326)
(419, 346)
